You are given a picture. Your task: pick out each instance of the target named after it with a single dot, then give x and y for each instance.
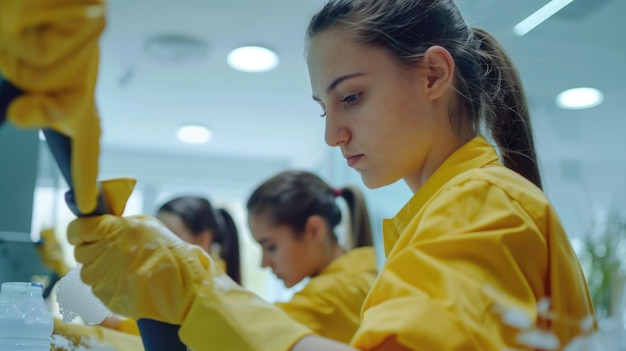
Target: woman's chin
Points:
(373, 182)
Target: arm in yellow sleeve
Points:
(309, 309)
(49, 52)
(330, 304)
(139, 269)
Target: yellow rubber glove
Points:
(128, 326)
(139, 269)
(49, 50)
(125, 325)
(85, 337)
(51, 253)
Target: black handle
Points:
(156, 336)
(61, 148)
(8, 92)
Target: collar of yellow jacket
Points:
(476, 153)
(359, 259)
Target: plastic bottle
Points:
(25, 322)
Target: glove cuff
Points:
(128, 326)
(238, 320)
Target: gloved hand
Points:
(49, 50)
(86, 337)
(51, 253)
(134, 255)
(139, 269)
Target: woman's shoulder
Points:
(496, 177)
(493, 186)
(356, 267)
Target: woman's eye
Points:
(270, 248)
(350, 99)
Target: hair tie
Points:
(337, 192)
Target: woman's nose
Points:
(265, 261)
(335, 133)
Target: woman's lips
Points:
(353, 160)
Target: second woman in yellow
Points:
(293, 217)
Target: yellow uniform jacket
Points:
(330, 304)
(476, 243)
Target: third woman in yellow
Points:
(195, 220)
(293, 217)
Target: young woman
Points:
(409, 92)
(196, 221)
(293, 216)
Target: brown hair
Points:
(489, 90)
(199, 215)
(291, 197)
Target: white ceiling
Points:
(271, 117)
(267, 115)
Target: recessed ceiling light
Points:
(252, 59)
(194, 134)
(175, 48)
(579, 98)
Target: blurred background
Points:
(170, 64)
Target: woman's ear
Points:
(439, 67)
(315, 228)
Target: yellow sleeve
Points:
(331, 306)
(235, 319)
(458, 263)
(320, 313)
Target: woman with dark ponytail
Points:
(293, 216)
(476, 260)
(196, 221)
(410, 91)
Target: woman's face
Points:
(377, 111)
(291, 258)
(175, 224)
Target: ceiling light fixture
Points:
(579, 98)
(539, 16)
(252, 59)
(175, 48)
(194, 134)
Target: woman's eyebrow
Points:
(338, 80)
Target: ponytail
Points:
(291, 197)
(228, 239)
(199, 215)
(505, 108)
(360, 233)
